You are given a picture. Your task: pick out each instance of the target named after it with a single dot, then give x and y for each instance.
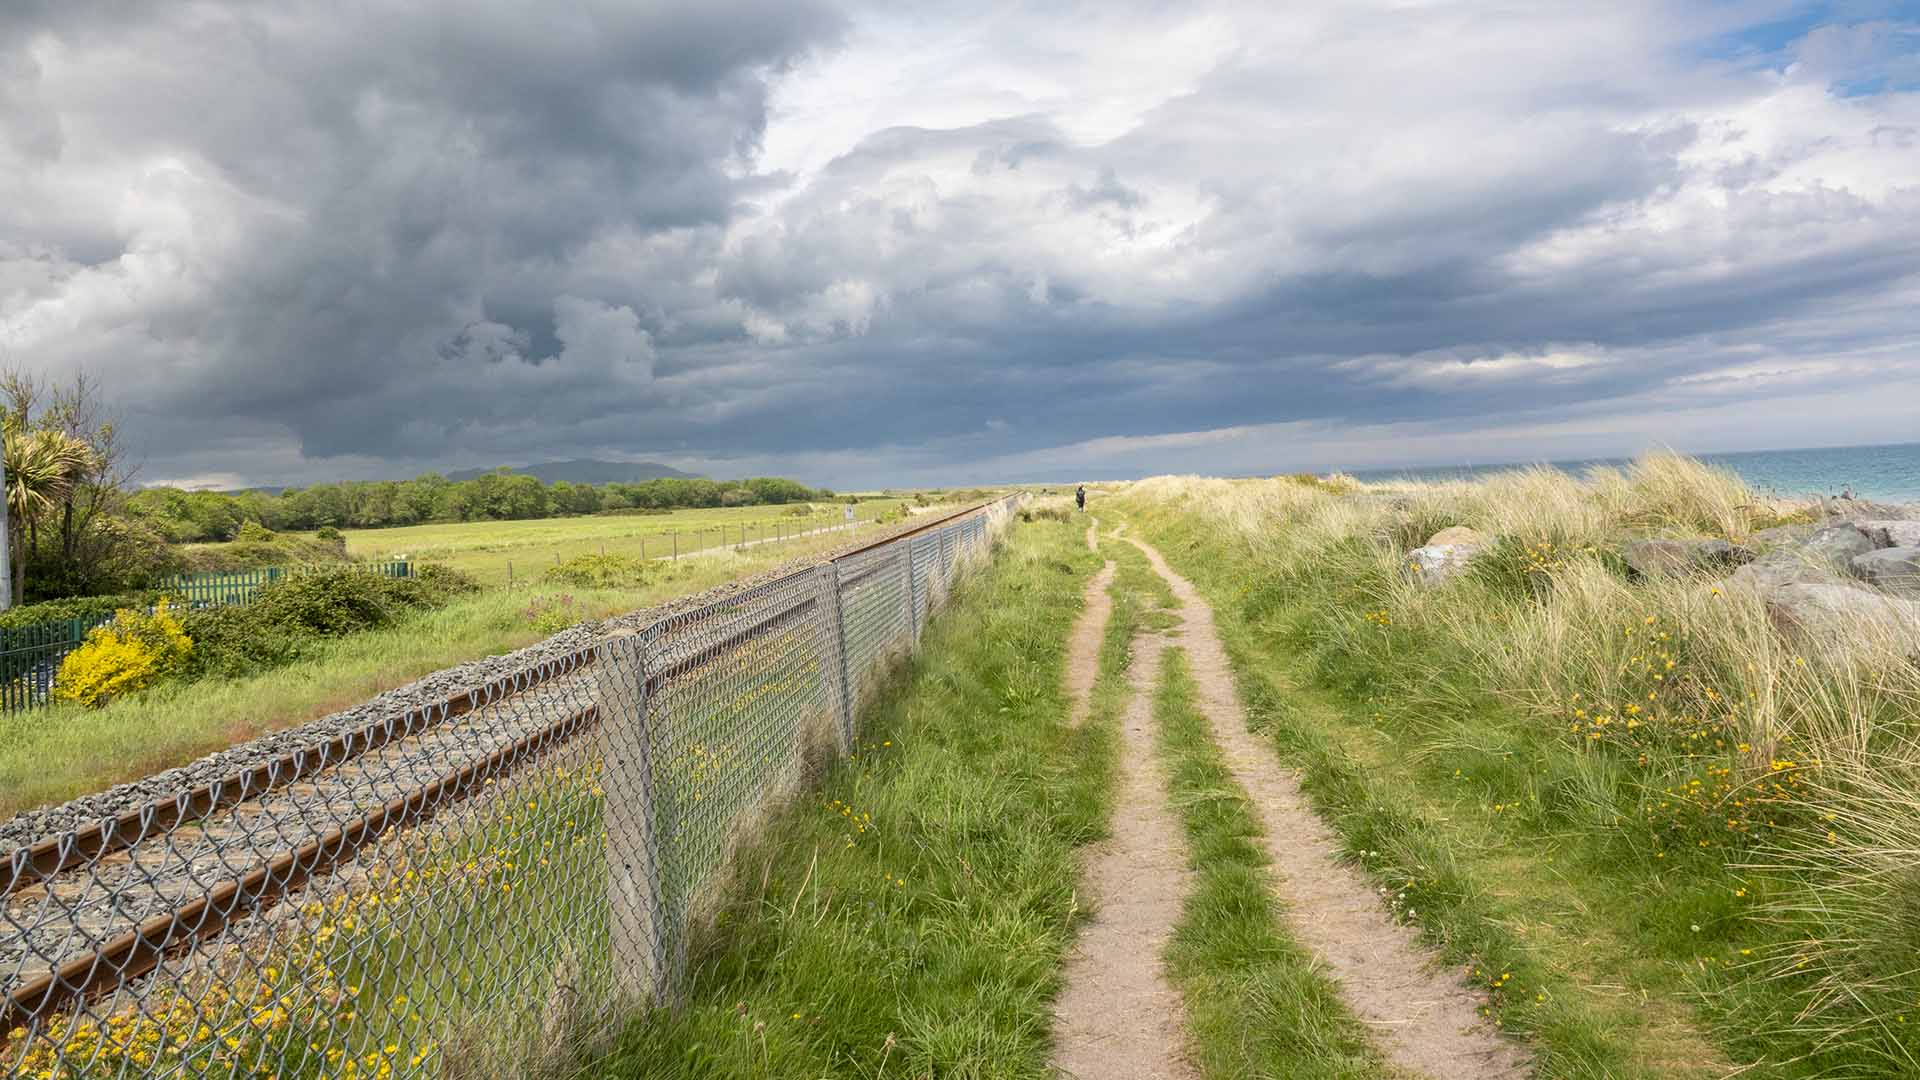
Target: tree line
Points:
(198, 516)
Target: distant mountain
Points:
(587, 472)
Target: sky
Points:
(867, 244)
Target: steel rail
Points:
(55, 854)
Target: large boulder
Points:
(1892, 533)
(1843, 614)
(1659, 558)
(1781, 567)
(1456, 534)
(1676, 558)
(1783, 534)
(1861, 510)
(1890, 568)
(1837, 544)
(1435, 563)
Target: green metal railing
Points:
(30, 655)
(240, 587)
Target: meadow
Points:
(1669, 839)
(498, 553)
(53, 754)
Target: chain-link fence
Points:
(480, 890)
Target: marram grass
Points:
(1640, 784)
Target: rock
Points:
(1456, 534)
(1783, 534)
(1890, 568)
(1721, 553)
(1659, 558)
(1843, 614)
(1781, 567)
(1892, 533)
(1859, 510)
(1675, 558)
(1837, 544)
(1436, 563)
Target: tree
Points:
(81, 538)
(43, 467)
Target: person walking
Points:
(1080, 497)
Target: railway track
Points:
(88, 911)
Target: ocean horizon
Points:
(1888, 472)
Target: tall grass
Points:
(1668, 720)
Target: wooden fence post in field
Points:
(636, 914)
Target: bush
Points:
(601, 572)
(552, 614)
(131, 653)
(252, 532)
(75, 607)
(328, 532)
(256, 554)
(290, 614)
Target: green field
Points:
(491, 550)
(50, 755)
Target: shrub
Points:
(252, 532)
(290, 613)
(601, 572)
(552, 614)
(328, 532)
(131, 653)
(75, 607)
(255, 554)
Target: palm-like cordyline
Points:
(42, 468)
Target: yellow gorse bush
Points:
(132, 652)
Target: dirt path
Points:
(1083, 648)
(1427, 1020)
(1093, 537)
(1118, 1017)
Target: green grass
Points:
(485, 549)
(1257, 1004)
(909, 918)
(1437, 788)
(53, 754)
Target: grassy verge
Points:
(1256, 1003)
(909, 918)
(54, 754)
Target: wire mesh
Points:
(480, 893)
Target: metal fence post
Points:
(829, 585)
(913, 597)
(636, 915)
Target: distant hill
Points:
(587, 472)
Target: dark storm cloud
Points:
(299, 242)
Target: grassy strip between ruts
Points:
(909, 917)
(1256, 1002)
(1555, 943)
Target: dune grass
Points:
(1688, 841)
(909, 918)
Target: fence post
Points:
(636, 912)
(828, 575)
(913, 597)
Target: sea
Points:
(1889, 473)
